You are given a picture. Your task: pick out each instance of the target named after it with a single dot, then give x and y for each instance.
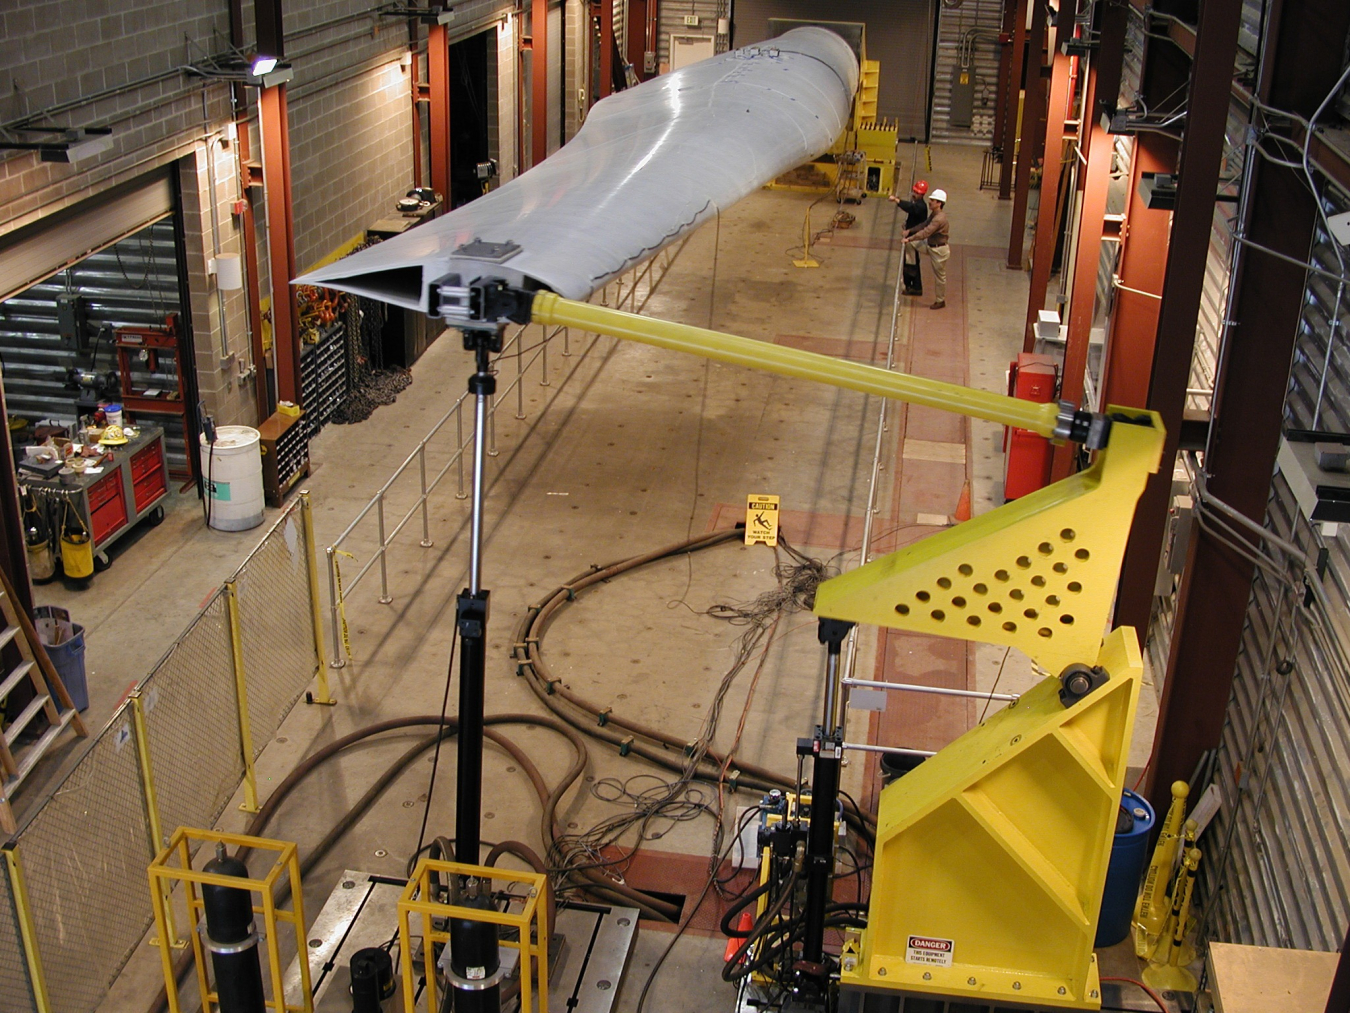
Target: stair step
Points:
(8, 634)
(25, 716)
(15, 677)
(37, 750)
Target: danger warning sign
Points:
(929, 950)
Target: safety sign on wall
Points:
(761, 520)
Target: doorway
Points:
(469, 140)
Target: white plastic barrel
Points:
(232, 471)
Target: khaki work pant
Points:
(938, 256)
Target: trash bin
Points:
(1129, 855)
(64, 641)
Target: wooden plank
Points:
(1258, 979)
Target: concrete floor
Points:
(628, 448)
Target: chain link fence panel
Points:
(85, 854)
(15, 994)
(192, 724)
(276, 626)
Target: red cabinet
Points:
(148, 480)
(107, 506)
(1028, 455)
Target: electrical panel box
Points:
(963, 97)
(70, 320)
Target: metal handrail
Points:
(653, 271)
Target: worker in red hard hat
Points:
(916, 213)
(934, 232)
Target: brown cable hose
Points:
(531, 665)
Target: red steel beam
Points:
(1058, 111)
(247, 225)
(1102, 90)
(438, 79)
(1303, 59)
(1128, 362)
(1030, 135)
(1010, 124)
(1201, 158)
(1004, 75)
(276, 151)
(539, 80)
(606, 47)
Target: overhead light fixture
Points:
(69, 145)
(267, 72)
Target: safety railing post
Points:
(543, 359)
(567, 341)
(18, 891)
(335, 608)
(459, 448)
(321, 694)
(492, 427)
(158, 840)
(520, 374)
(422, 470)
(385, 598)
(250, 803)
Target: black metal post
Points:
(828, 752)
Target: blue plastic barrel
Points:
(1129, 856)
(68, 660)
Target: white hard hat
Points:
(938, 195)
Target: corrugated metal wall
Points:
(132, 283)
(967, 32)
(899, 35)
(672, 15)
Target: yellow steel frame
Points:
(18, 890)
(416, 900)
(152, 807)
(163, 874)
(250, 803)
(322, 695)
(1005, 834)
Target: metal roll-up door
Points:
(32, 253)
(133, 281)
(899, 36)
(967, 38)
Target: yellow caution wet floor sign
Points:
(761, 520)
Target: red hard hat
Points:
(921, 187)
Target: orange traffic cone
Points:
(963, 505)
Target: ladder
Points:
(16, 762)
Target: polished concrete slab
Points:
(629, 448)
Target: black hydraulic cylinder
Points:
(820, 847)
(474, 964)
(372, 974)
(471, 615)
(231, 939)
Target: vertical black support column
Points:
(828, 752)
(471, 614)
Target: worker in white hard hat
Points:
(934, 234)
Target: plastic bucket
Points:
(53, 624)
(232, 470)
(1129, 856)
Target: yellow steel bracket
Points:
(991, 855)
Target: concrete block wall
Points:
(508, 64)
(224, 357)
(577, 68)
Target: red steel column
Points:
(539, 80)
(1058, 110)
(1032, 113)
(438, 83)
(1004, 75)
(1303, 59)
(1019, 50)
(606, 47)
(1102, 89)
(1183, 284)
(1128, 363)
(276, 152)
